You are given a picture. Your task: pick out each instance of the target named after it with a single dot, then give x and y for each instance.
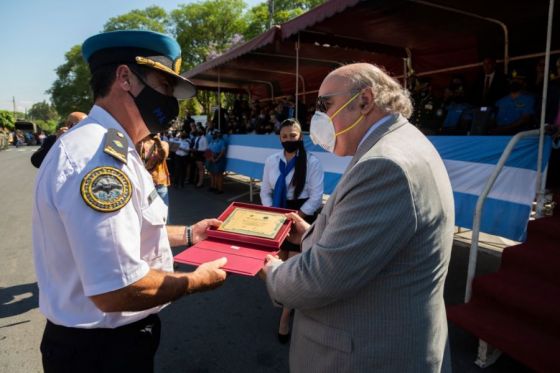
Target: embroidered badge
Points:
(106, 189)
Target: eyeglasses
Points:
(323, 101)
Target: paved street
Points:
(231, 329)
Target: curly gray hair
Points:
(388, 94)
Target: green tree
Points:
(258, 17)
(43, 111)
(7, 119)
(207, 28)
(152, 18)
(70, 91)
(48, 126)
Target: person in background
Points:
(292, 179)
(187, 122)
(216, 162)
(458, 112)
(200, 147)
(181, 160)
(154, 152)
(40, 154)
(490, 85)
(515, 112)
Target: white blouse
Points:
(313, 188)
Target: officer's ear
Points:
(123, 76)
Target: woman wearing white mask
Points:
(292, 179)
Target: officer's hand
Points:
(199, 229)
(299, 227)
(208, 275)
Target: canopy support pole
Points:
(540, 179)
(219, 102)
(474, 15)
(297, 76)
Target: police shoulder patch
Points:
(106, 189)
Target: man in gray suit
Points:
(368, 285)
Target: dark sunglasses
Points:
(322, 104)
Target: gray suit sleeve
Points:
(373, 218)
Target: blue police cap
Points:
(146, 48)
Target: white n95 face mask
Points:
(322, 131)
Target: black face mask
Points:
(291, 146)
(157, 110)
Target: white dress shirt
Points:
(200, 143)
(313, 189)
(79, 251)
(184, 147)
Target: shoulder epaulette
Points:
(116, 145)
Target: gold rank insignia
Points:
(106, 189)
(116, 145)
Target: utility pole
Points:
(14, 101)
(271, 13)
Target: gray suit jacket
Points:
(368, 286)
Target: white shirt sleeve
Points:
(267, 186)
(105, 246)
(313, 185)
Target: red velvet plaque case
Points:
(245, 254)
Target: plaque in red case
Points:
(245, 253)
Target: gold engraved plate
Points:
(253, 223)
(106, 189)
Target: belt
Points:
(69, 332)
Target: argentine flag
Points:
(469, 160)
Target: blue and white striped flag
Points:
(469, 160)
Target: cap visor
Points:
(184, 88)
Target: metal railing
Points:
(480, 204)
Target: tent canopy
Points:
(377, 31)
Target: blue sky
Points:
(35, 35)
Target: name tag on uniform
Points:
(152, 197)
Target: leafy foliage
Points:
(152, 18)
(7, 119)
(204, 29)
(42, 111)
(258, 17)
(70, 91)
(48, 126)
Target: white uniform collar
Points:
(106, 120)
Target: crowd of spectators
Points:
(488, 103)
(193, 150)
(259, 117)
(485, 102)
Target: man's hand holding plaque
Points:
(299, 226)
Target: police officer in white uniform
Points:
(101, 244)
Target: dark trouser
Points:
(129, 348)
(180, 170)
